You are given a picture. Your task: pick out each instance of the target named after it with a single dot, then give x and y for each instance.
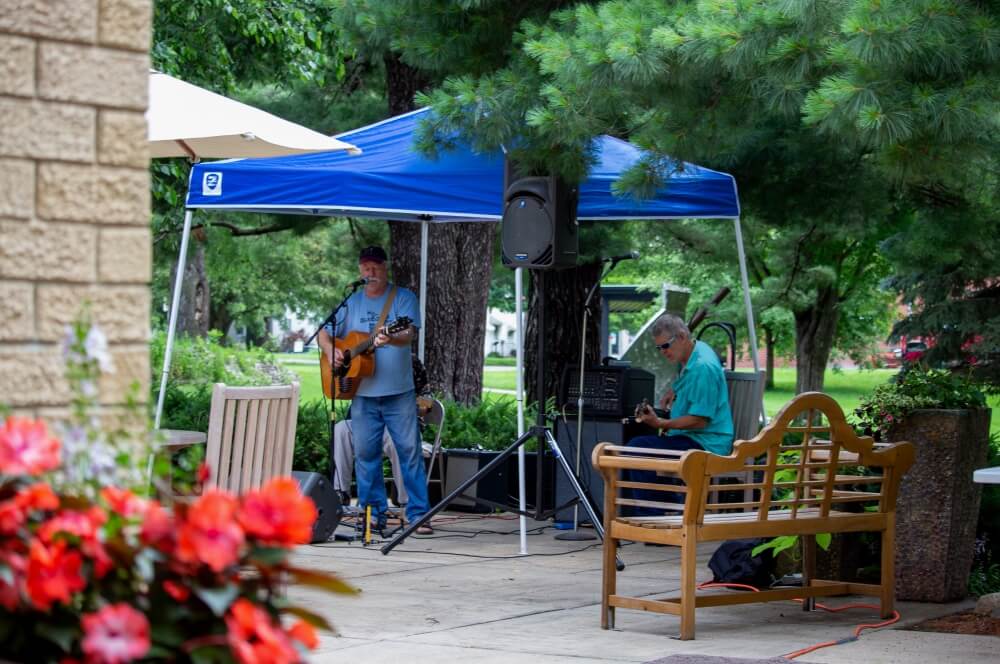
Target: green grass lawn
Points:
(310, 388)
(501, 361)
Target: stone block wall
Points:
(74, 193)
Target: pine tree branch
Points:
(237, 231)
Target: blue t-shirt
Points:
(700, 390)
(393, 366)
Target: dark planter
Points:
(938, 502)
(463, 464)
(530, 483)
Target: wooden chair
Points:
(746, 393)
(813, 475)
(251, 435)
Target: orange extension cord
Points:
(831, 609)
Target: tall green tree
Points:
(417, 43)
(843, 121)
(229, 46)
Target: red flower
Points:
(26, 447)
(86, 527)
(10, 595)
(304, 633)
(14, 512)
(254, 638)
(37, 497)
(204, 473)
(278, 514)
(210, 534)
(157, 527)
(116, 633)
(176, 590)
(12, 517)
(53, 574)
(124, 502)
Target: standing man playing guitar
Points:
(386, 399)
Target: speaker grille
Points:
(527, 231)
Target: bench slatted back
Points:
(808, 462)
(251, 435)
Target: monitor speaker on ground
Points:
(539, 229)
(328, 507)
(594, 431)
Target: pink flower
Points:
(123, 502)
(26, 447)
(116, 633)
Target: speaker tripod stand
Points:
(545, 439)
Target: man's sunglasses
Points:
(666, 344)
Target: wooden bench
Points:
(811, 474)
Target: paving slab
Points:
(466, 595)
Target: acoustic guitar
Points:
(359, 360)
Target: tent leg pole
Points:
(519, 348)
(745, 283)
(424, 229)
(172, 326)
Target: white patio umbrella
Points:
(185, 120)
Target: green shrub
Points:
(490, 425)
(312, 436)
(198, 361)
(917, 388)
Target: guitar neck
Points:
(364, 345)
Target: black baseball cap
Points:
(373, 253)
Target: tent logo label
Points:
(211, 184)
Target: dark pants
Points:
(675, 442)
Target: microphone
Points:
(360, 282)
(632, 255)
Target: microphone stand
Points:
(332, 320)
(576, 535)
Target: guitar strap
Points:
(385, 309)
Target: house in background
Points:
(500, 328)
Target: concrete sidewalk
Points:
(465, 595)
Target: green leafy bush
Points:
(199, 361)
(916, 389)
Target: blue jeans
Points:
(398, 413)
(649, 476)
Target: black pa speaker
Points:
(594, 431)
(328, 507)
(539, 228)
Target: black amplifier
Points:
(608, 391)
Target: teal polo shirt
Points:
(700, 390)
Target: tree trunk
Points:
(193, 308)
(565, 291)
(769, 357)
(458, 278)
(402, 82)
(221, 317)
(815, 329)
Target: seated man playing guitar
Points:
(386, 399)
(342, 444)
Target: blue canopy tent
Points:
(391, 180)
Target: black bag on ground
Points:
(733, 562)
